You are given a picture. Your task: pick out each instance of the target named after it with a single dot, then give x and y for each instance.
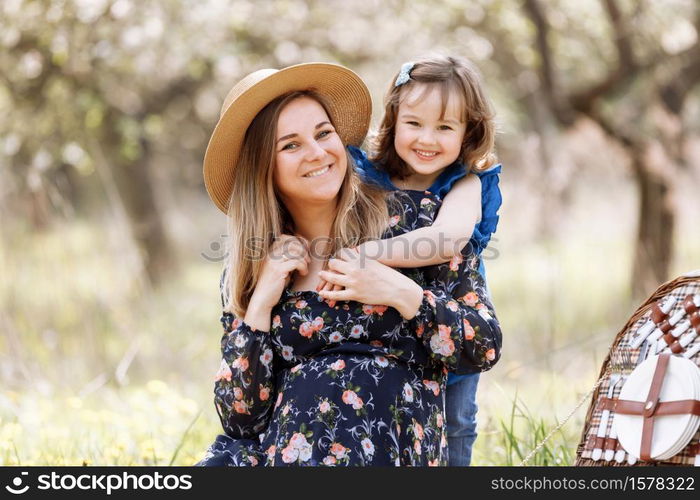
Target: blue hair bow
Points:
(404, 74)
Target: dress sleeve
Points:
(491, 200)
(244, 385)
(367, 170)
(457, 325)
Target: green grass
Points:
(523, 436)
(151, 424)
(96, 368)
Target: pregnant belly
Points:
(352, 403)
(342, 379)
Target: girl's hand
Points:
(286, 255)
(371, 282)
(325, 285)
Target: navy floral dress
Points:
(348, 383)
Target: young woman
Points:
(308, 381)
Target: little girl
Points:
(437, 135)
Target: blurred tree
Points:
(87, 88)
(114, 94)
(119, 97)
(637, 99)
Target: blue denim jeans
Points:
(461, 419)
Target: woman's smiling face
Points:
(310, 158)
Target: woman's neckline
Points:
(290, 291)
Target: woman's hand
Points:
(371, 282)
(287, 254)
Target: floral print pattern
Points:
(337, 384)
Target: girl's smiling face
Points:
(425, 138)
(310, 159)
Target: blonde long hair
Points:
(450, 75)
(256, 215)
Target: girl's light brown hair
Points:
(452, 76)
(257, 216)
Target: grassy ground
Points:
(95, 368)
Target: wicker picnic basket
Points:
(680, 289)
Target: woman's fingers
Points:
(303, 268)
(337, 287)
(295, 249)
(305, 243)
(333, 279)
(323, 285)
(297, 264)
(288, 247)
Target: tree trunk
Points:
(656, 225)
(34, 200)
(134, 184)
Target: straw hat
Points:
(350, 110)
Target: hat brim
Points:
(350, 109)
